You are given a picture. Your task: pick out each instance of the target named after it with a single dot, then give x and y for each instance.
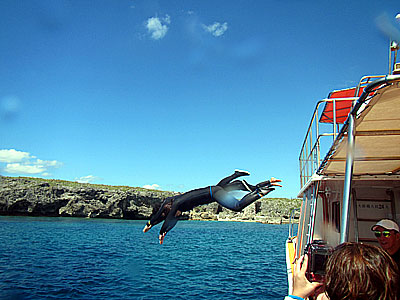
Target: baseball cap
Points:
(387, 224)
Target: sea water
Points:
(70, 258)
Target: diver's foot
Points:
(242, 172)
(263, 184)
(272, 182)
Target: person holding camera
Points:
(353, 271)
(387, 233)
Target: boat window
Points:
(336, 215)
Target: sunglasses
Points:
(384, 233)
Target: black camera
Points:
(318, 252)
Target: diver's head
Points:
(160, 214)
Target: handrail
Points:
(310, 153)
(291, 224)
(370, 88)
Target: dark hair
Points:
(361, 271)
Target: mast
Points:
(344, 233)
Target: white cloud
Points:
(12, 155)
(151, 187)
(47, 163)
(18, 168)
(19, 162)
(87, 179)
(157, 27)
(167, 19)
(216, 29)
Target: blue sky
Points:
(174, 94)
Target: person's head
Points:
(387, 233)
(160, 214)
(361, 271)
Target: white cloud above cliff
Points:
(20, 162)
(87, 179)
(151, 186)
(13, 156)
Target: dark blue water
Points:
(65, 258)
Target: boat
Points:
(349, 169)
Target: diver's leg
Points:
(227, 200)
(243, 185)
(264, 183)
(238, 173)
(240, 185)
(169, 223)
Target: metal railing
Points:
(314, 142)
(292, 233)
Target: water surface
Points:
(70, 258)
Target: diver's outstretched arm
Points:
(169, 223)
(160, 215)
(226, 180)
(153, 221)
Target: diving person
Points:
(172, 207)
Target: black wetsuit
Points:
(171, 208)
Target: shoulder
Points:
(396, 256)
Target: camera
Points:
(318, 253)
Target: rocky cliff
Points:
(40, 197)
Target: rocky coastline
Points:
(23, 196)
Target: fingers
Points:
(305, 264)
(146, 228)
(161, 238)
(297, 266)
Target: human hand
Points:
(274, 181)
(161, 237)
(146, 228)
(301, 286)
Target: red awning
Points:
(343, 107)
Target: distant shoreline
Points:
(25, 196)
